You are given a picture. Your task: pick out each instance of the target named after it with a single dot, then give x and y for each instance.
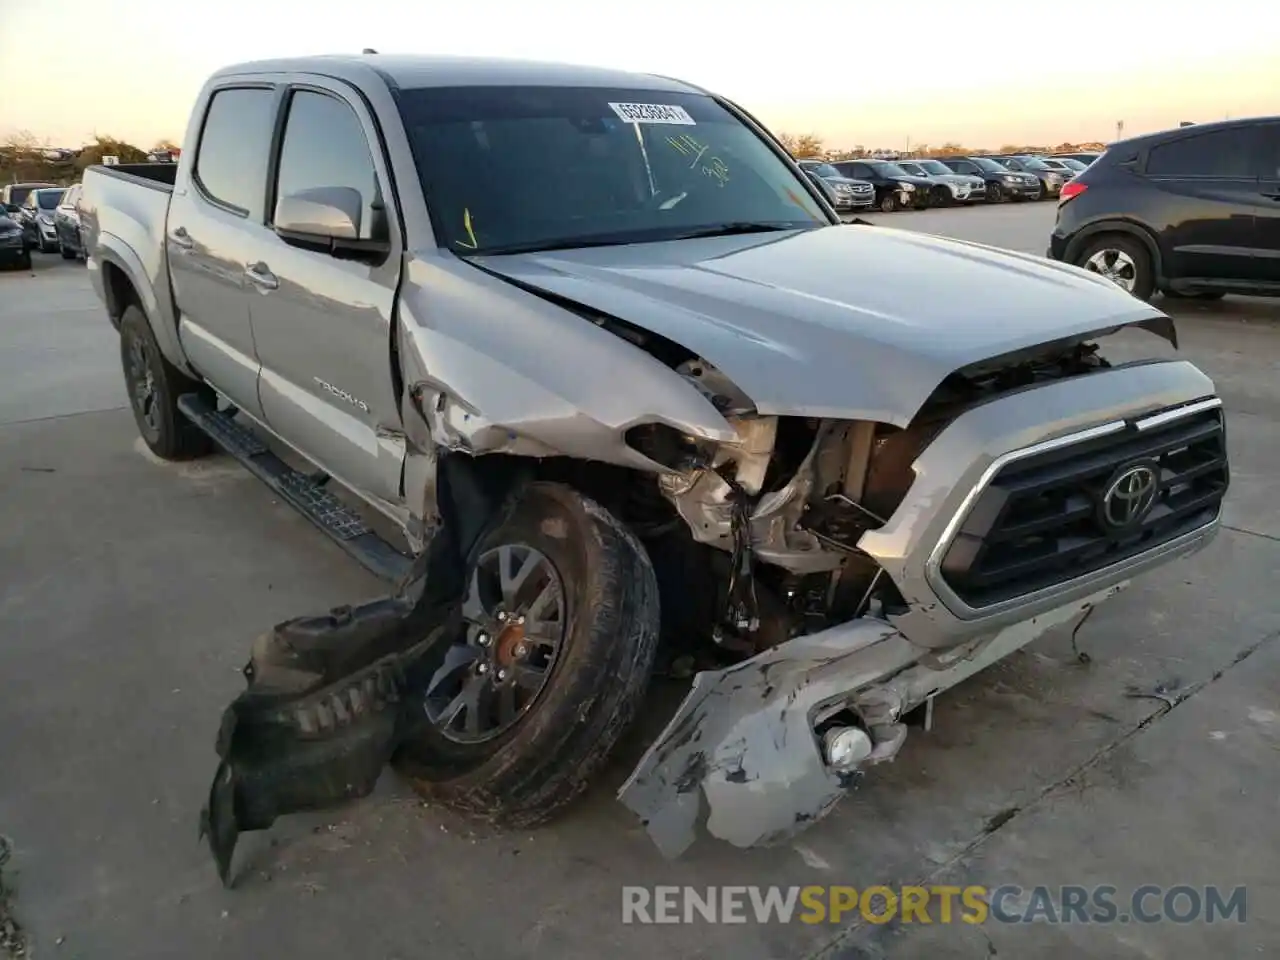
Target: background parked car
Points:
(1087, 157)
(952, 187)
(1051, 181)
(1193, 212)
(1064, 163)
(66, 224)
(13, 245)
(15, 194)
(1002, 183)
(895, 188)
(37, 218)
(850, 194)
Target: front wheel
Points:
(888, 203)
(550, 667)
(67, 253)
(995, 193)
(154, 385)
(1123, 260)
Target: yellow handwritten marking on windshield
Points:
(466, 225)
(715, 168)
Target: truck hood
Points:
(849, 322)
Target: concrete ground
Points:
(131, 589)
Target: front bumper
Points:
(1028, 191)
(13, 248)
(746, 738)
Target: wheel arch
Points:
(1126, 227)
(124, 282)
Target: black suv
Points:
(1191, 212)
(895, 188)
(1002, 183)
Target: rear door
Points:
(1268, 214)
(214, 213)
(1207, 203)
(323, 325)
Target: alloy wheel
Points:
(1116, 265)
(515, 615)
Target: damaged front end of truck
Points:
(827, 570)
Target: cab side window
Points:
(324, 145)
(231, 161)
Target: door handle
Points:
(261, 276)
(181, 238)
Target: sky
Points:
(928, 71)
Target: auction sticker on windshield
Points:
(653, 113)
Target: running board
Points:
(303, 492)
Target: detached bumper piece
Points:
(329, 698)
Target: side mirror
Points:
(328, 219)
(12, 208)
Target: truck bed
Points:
(155, 175)
(124, 214)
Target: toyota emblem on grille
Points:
(1130, 495)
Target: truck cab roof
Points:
(418, 71)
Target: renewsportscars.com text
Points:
(937, 903)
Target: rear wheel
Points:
(560, 629)
(1123, 260)
(154, 385)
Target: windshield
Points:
(914, 169)
(1073, 164)
(886, 169)
(990, 165)
(1031, 163)
(523, 168)
(48, 199)
(934, 167)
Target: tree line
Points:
(806, 146)
(25, 158)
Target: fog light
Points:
(846, 747)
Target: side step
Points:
(304, 492)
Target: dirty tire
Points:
(169, 434)
(533, 770)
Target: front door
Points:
(323, 325)
(213, 215)
(1209, 199)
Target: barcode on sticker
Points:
(653, 113)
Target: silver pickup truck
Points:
(594, 342)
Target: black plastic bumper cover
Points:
(330, 697)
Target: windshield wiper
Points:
(619, 239)
(735, 227)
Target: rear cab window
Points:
(235, 142)
(1222, 154)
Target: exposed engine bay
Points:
(783, 510)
